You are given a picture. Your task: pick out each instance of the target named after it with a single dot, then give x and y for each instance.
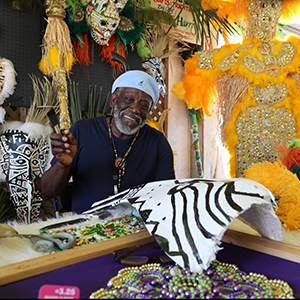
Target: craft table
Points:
(92, 274)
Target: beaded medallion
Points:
(220, 280)
(269, 95)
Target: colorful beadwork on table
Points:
(105, 230)
(220, 280)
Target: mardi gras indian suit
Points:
(253, 87)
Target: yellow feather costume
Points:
(255, 87)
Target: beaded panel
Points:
(157, 110)
(271, 64)
(231, 59)
(259, 132)
(271, 94)
(263, 17)
(205, 59)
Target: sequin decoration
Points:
(219, 281)
(205, 59)
(269, 95)
(253, 64)
(271, 64)
(259, 132)
(62, 97)
(286, 54)
(232, 58)
(263, 17)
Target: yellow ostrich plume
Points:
(284, 185)
(235, 10)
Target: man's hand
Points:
(64, 147)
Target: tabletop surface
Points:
(89, 276)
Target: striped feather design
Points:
(189, 217)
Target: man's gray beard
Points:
(127, 130)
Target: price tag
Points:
(49, 291)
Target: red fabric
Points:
(105, 54)
(82, 55)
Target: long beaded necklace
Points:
(119, 162)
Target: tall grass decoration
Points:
(44, 100)
(75, 106)
(6, 205)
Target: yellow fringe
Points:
(57, 48)
(284, 185)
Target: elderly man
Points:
(106, 155)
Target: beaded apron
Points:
(263, 127)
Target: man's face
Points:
(131, 109)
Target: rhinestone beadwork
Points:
(260, 130)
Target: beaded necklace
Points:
(119, 162)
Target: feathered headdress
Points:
(235, 10)
(7, 83)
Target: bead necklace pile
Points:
(119, 162)
(97, 232)
(220, 280)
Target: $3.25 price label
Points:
(49, 291)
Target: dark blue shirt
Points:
(150, 159)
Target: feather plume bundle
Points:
(235, 10)
(284, 185)
(290, 156)
(57, 49)
(7, 79)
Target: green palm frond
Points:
(204, 20)
(155, 16)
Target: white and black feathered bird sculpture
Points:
(189, 217)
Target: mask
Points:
(103, 18)
(155, 68)
(23, 161)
